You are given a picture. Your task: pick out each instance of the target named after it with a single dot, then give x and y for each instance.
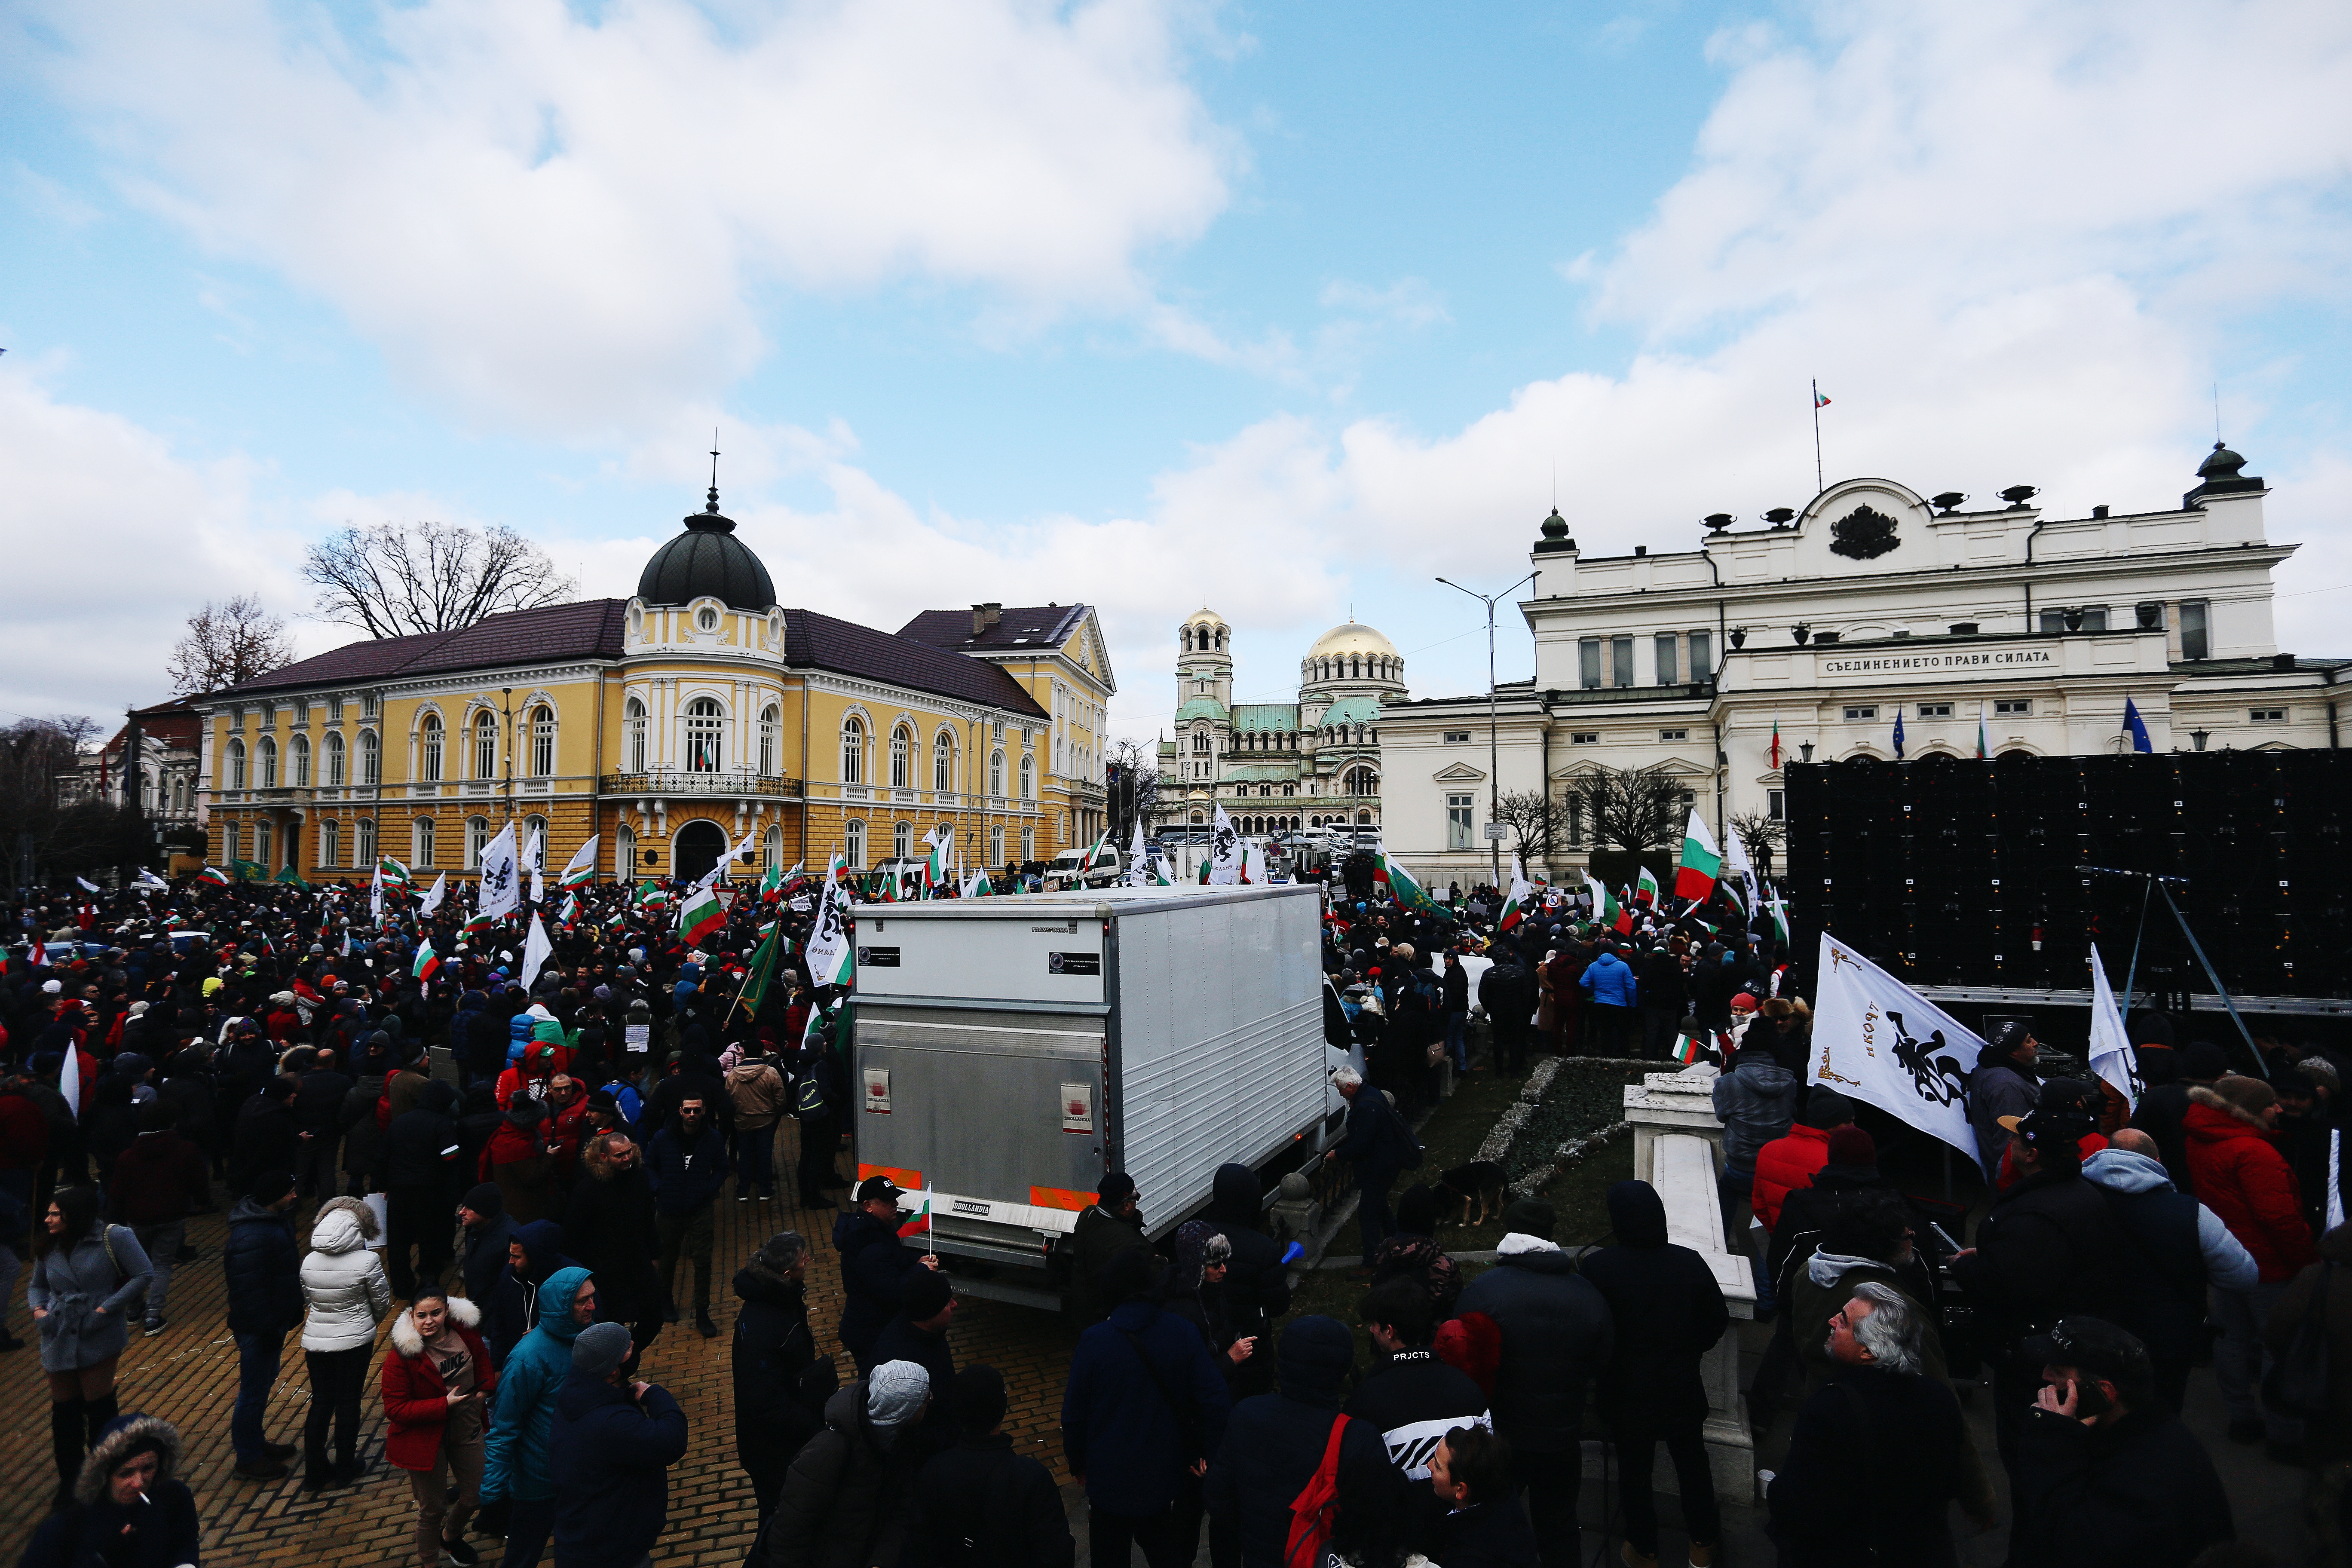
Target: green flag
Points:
(293, 878)
(765, 959)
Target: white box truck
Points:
(1009, 1051)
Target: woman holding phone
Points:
(438, 1378)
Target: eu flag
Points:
(1898, 734)
(2136, 727)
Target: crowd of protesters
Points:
(517, 1172)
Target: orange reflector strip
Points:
(1061, 1198)
(912, 1180)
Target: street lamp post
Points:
(1493, 742)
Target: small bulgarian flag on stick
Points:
(920, 1222)
(1691, 1043)
(1701, 864)
(1645, 888)
(427, 962)
(702, 915)
(213, 876)
(1515, 907)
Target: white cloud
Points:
(113, 540)
(564, 222)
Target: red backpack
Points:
(1315, 1508)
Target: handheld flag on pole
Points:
(2112, 1056)
(700, 914)
(581, 869)
(921, 1221)
(432, 901)
(765, 960)
(394, 873)
(832, 958)
(534, 859)
(1645, 888)
(427, 962)
(536, 951)
(1701, 862)
(501, 889)
(1515, 907)
(213, 877)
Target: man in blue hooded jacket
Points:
(517, 1481)
(1274, 1442)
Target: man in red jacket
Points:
(1787, 1164)
(2241, 1175)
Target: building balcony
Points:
(739, 784)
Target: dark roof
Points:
(849, 648)
(593, 627)
(588, 629)
(1024, 626)
(707, 560)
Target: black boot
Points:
(99, 1414)
(65, 1436)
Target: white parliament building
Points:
(1872, 602)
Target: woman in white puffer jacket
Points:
(349, 1295)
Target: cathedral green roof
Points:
(1207, 708)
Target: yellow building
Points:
(670, 724)
(1056, 653)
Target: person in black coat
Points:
(262, 1269)
(1485, 1526)
(514, 1305)
(2162, 1107)
(482, 1217)
(918, 1333)
(266, 1137)
(1668, 1312)
(1557, 1336)
(608, 1225)
(1412, 1398)
(979, 1501)
(1258, 1286)
(420, 1166)
(1871, 1465)
(1274, 1444)
(780, 1382)
(2106, 1474)
(319, 1110)
(874, 1266)
(1378, 1145)
(1508, 994)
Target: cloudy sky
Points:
(1283, 309)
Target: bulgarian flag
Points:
(481, 923)
(701, 914)
(1645, 888)
(1606, 910)
(581, 869)
(1515, 907)
(213, 876)
(1692, 1043)
(1983, 751)
(935, 863)
(771, 884)
(918, 1223)
(1701, 863)
(393, 871)
(1102, 849)
(1780, 907)
(650, 897)
(568, 915)
(427, 960)
(1773, 756)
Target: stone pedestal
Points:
(1295, 1215)
(1678, 1150)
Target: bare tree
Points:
(38, 759)
(1633, 808)
(1760, 836)
(1138, 792)
(392, 581)
(226, 644)
(1535, 818)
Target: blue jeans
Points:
(756, 1161)
(1373, 1209)
(257, 1370)
(528, 1526)
(1457, 1039)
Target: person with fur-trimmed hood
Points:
(128, 1509)
(438, 1379)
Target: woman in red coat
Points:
(437, 1381)
(2239, 1173)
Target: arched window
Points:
(1360, 781)
(1028, 778)
(996, 847)
(420, 843)
(180, 791)
(853, 842)
(943, 763)
(772, 849)
(236, 769)
(261, 843)
(769, 731)
(1199, 742)
(1028, 844)
(624, 855)
(543, 741)
(853, 751)
(703, 726)
(363, 843)
(707, 619)
(632, 735)
(429, 748)
(902, 758)
(371, 759)
(477, 838)
(297, 759)
(330, 844)
(902, 840)
(265, 759)
(228, 841)
(995, 772)
(486, 744)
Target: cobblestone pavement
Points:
(188, 1376)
